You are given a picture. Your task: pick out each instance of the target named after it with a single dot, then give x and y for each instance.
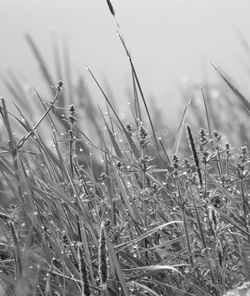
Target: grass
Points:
(121, 212)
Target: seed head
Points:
(216, 135)
(228, 148)
(244, 150)
(72, 109)
(142, 136)
(195, 155)
(175, 165)
(203, 137)
(83, 272)
(59, 85)
(129, 128)
(103, 266)
(112, 11)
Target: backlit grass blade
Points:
(146, 234)
(139, 87)
(138, 286)
(206, 110)
(123, 191)
(154, 268)
(116, 265)
(238, 94)
(136, 101)
(112, 138)
(42, 64)
(180, 128)
(128, 137)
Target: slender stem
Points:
(184, 218)
(25, 138)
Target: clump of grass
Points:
(119, 218)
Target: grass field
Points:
(95, 205)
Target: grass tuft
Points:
(94, 205)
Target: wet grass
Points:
(121, 210)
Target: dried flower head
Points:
(72, 109)
(203, 137)
(129, 128)
(175, 166)
(59, 85)
(244, 150)
(216, 135)
(228, 148)
(142, 136)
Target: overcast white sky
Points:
(169, 39)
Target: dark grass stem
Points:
(112, 11)
(195, 154)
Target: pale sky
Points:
(169, 40)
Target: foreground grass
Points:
(134, 223)
(129, 216)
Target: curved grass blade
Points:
(128, 137)
(154, 268)
(112, 138)
(41, 62)
(206, 110)
(238, 94)
(146, 234)
(138, 286)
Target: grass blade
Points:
(180, 129)
(238, 94)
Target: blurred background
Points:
(172, 42)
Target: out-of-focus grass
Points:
(120, 211)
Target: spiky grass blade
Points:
(116, 265)
(128, 137)
(154, 268)
(180, 128)
(123, 191)
(112, 138)
(139, 87)
(146, 234)
(206, 111)
(43, 67)
(25, 138)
